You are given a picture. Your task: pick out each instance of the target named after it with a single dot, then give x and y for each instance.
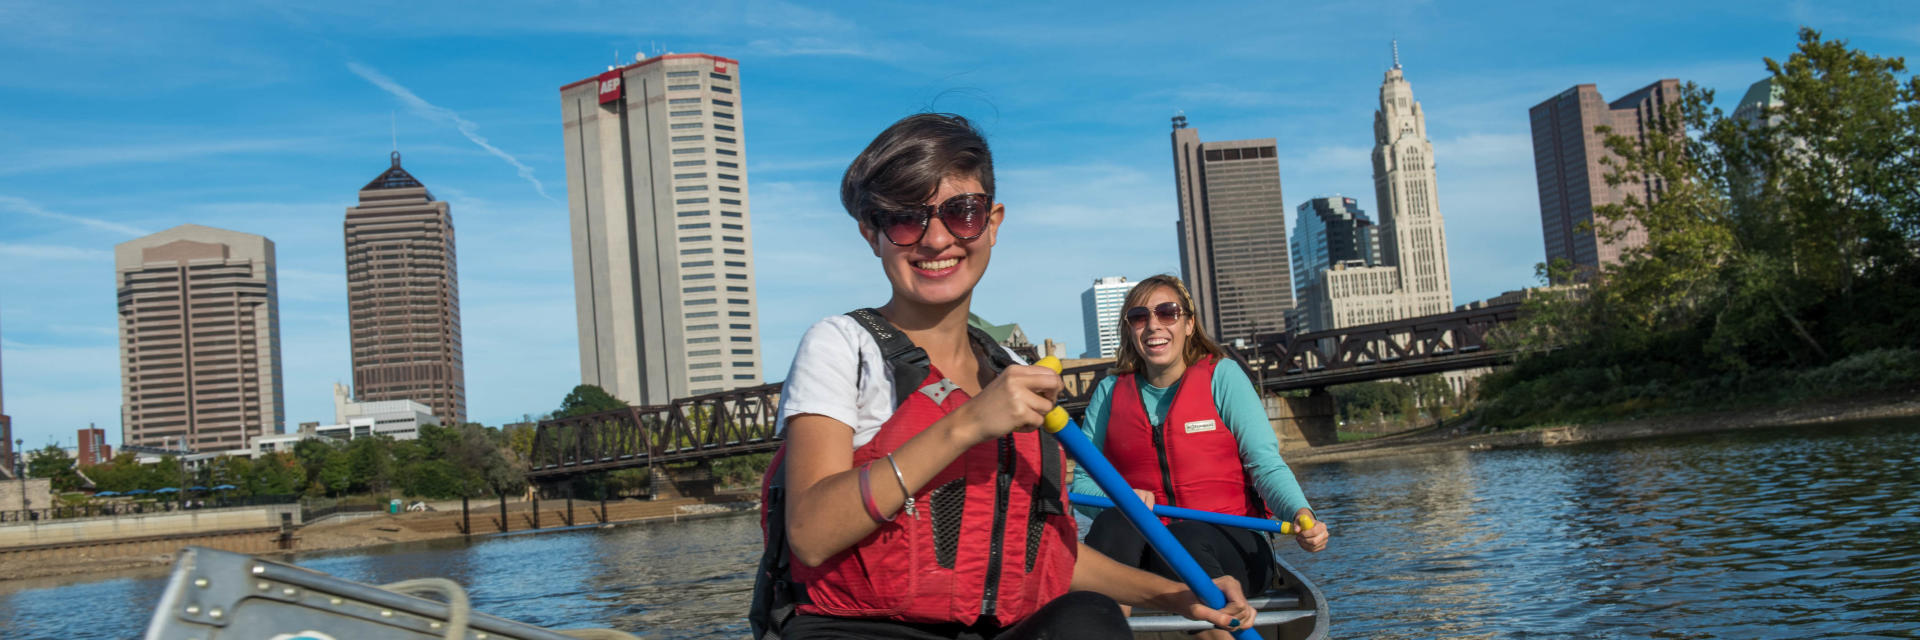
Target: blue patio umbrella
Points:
(138, 492)
(167, 490)
(106, 494)
(197, 488)
(225, 487)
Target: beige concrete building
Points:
(403, 296)
(662, 228)
(1413, 235)
(1567, 155)
(199, 339)
(1233, 232)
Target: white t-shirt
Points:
(838, 372)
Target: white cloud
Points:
(51, 252)
(428, 110)
(22, 205)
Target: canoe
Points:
(1291, 608)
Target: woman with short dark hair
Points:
(919, 499)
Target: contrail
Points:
(434, 112)
(25, 206)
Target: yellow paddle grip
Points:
(1057, 418)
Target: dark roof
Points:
(396, 178)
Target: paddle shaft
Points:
(1256, 524)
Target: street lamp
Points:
(20, 471)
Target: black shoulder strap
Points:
(908, 361)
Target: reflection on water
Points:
(1753, 534)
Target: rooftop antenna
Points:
(393, 120)
(1396, 53)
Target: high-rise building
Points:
(92, 447)
(1567, 155)
(1329, 231)
(1100, 308)
(1413, 235)
(199, 339)
(662, 232)
(403, 296)
(1760, 104)
(1233, 232)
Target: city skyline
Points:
(205, 128)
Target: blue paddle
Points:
(1256, 524)
(1076, 444)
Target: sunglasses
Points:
(965, 216)
(1167, 312)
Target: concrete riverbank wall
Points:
(144, 526)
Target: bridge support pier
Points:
(1304, 422)
(692, 482)
(603, 497)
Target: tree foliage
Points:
(585, 399)
(1774, 248)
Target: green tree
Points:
(370, 461)
(53, 462)
(585, 399)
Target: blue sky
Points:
(119, 119)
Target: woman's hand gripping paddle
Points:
(1076, 444)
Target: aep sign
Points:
(610, 87)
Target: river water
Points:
(1812, 532)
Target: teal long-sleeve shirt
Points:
(1246, 417)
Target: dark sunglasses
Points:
(1167, 312)
(965, 216)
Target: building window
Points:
(682, 74)
(723, 127)
(741, 339)
(691, 201)
(701, 250)
(690, 214)
(683, 114)
(730, 189)
(719, 76)
(743, 376)
(730, 226)
(731, 214)
(703, 327)
(729, 201)
(703, 353)
(696, 263)
(1214, 155)
(695, 238)
(683, 87)
(697, 289)
(723, 115)
(729, 165)
(684, 101)
(738, 301)
(729, 176)
(734, 289)
(740, 326)
(692, 138)
(689, 176)
(738, 363)
(739, 314)
(690, 187)
(690, 163)
(723, 103)
(726, 152)
(704, 365)
(696, 225)
(705, 340)
(697, 276)
(686, 125)
(703, 314)
(720, 89)
(742, 352)
(730, 276)
(687, 150)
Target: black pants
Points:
(1077, 615)
(1220, 550)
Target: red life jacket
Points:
(1191, 460)
(1018, 551)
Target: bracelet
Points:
(866, 495)
(903, 486)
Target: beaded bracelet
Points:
(866, 495)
